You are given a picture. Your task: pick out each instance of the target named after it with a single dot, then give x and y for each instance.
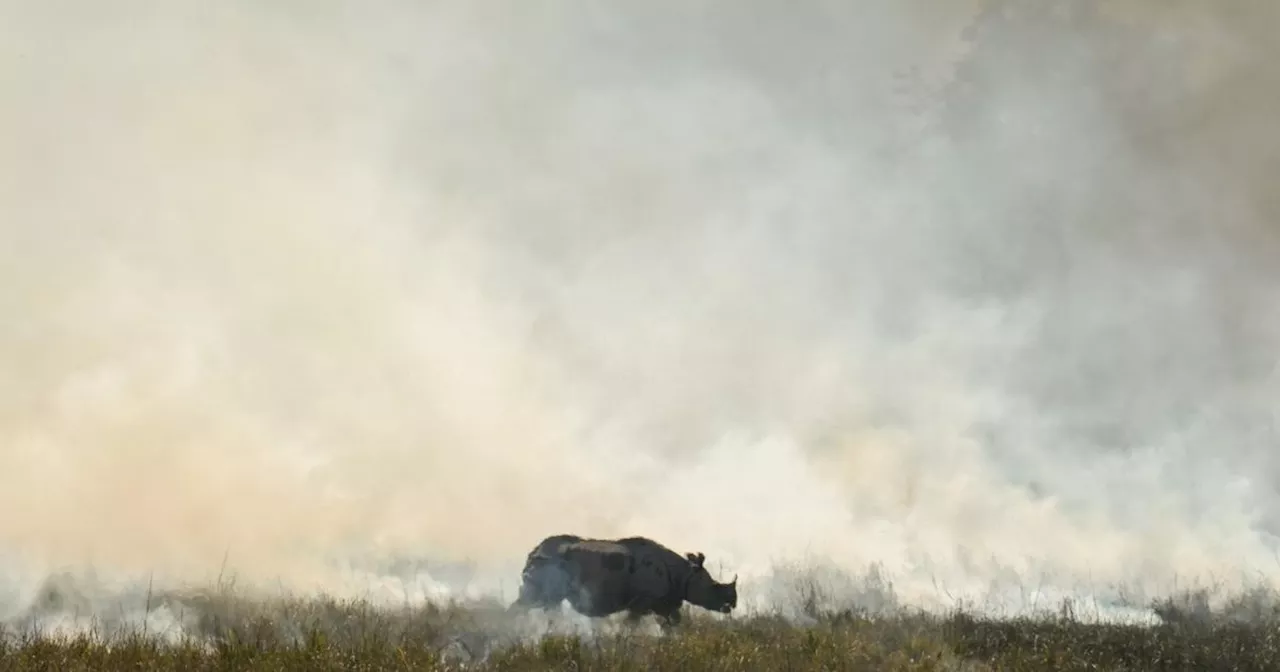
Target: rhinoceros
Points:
(600, 577)
(545, 579)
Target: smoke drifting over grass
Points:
(294, 286)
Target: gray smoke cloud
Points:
(292, 287)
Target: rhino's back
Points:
(644, 546)
(551, 546)
(658, 575)
(598, 555)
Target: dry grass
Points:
(221, 631)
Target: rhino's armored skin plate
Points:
(601, 577)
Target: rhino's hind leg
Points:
(526, 601)
(542, 586)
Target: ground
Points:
(222, 631)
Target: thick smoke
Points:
(296, 290)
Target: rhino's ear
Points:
(695, 559)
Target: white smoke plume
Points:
(292, 290)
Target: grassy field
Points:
(221, 631)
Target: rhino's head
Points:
(705, 591)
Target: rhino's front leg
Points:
(670, 620)
(634, 616)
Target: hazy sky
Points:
(292, 281)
